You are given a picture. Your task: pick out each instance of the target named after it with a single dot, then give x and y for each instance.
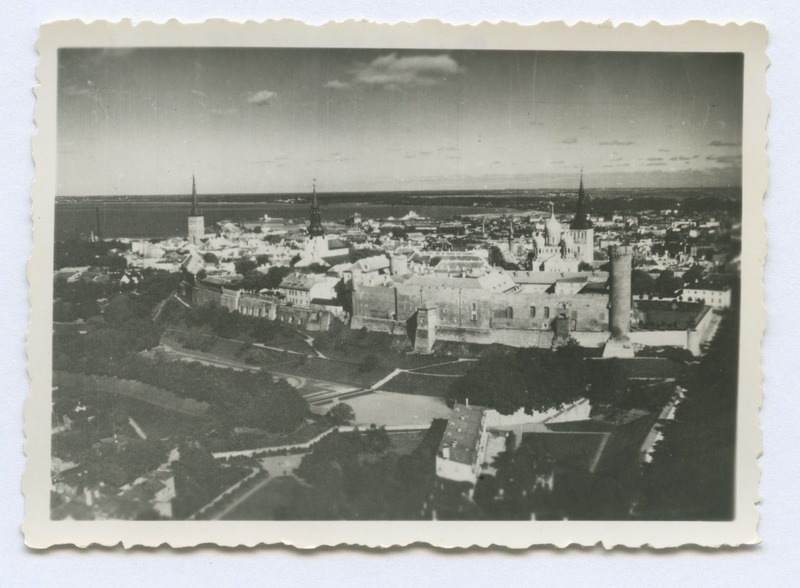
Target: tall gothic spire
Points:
(315, 228)
(581, 220)
(194, 198)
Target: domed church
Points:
(562, 249)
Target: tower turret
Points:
(619, 345)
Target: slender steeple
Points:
(581, 220)
(315, 228)
(194, 199)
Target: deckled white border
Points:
(749, 39)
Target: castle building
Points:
(196, 222)
(560, 249)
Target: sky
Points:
(143, 121)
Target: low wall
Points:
(660, 338)
(379, 325)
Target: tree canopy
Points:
(533, 379)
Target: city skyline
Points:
(142, 121)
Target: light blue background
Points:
(775, 562)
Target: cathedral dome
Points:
(552, 229)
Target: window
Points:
(546, 312)
(473, 315)
(509, 313)
(533, 312)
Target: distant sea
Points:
(155, 217)
(157, 220)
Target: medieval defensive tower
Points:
(619, 344)
(196, 223)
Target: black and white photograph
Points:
(396, 284)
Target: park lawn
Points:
(161, 423)
(330, 370)
(411, 383)
(284, 338)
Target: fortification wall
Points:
(660, 338)
(482, 309)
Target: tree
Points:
(641, 282)
(693, 274)
(209, 257)
(376, 439)
(533, 379)
(585, 267)
(496, 256)
(244, 265)
(341, 414)
(667, 284)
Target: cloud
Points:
(651, 163)
(617, 142)
(655, 159)
(336, 85)
(536, 123)
(570, 140)
(724, 144)
(617, 158)
(262, 97)
(662, 150)
(680, 158)
(391, 72)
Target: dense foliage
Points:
(692, 473)
(532, 379)
(351, 477)
(103, 254)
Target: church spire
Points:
(581, 220)
(194, 198)
(315, 228)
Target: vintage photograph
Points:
(395, 284)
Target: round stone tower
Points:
(620, 298)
